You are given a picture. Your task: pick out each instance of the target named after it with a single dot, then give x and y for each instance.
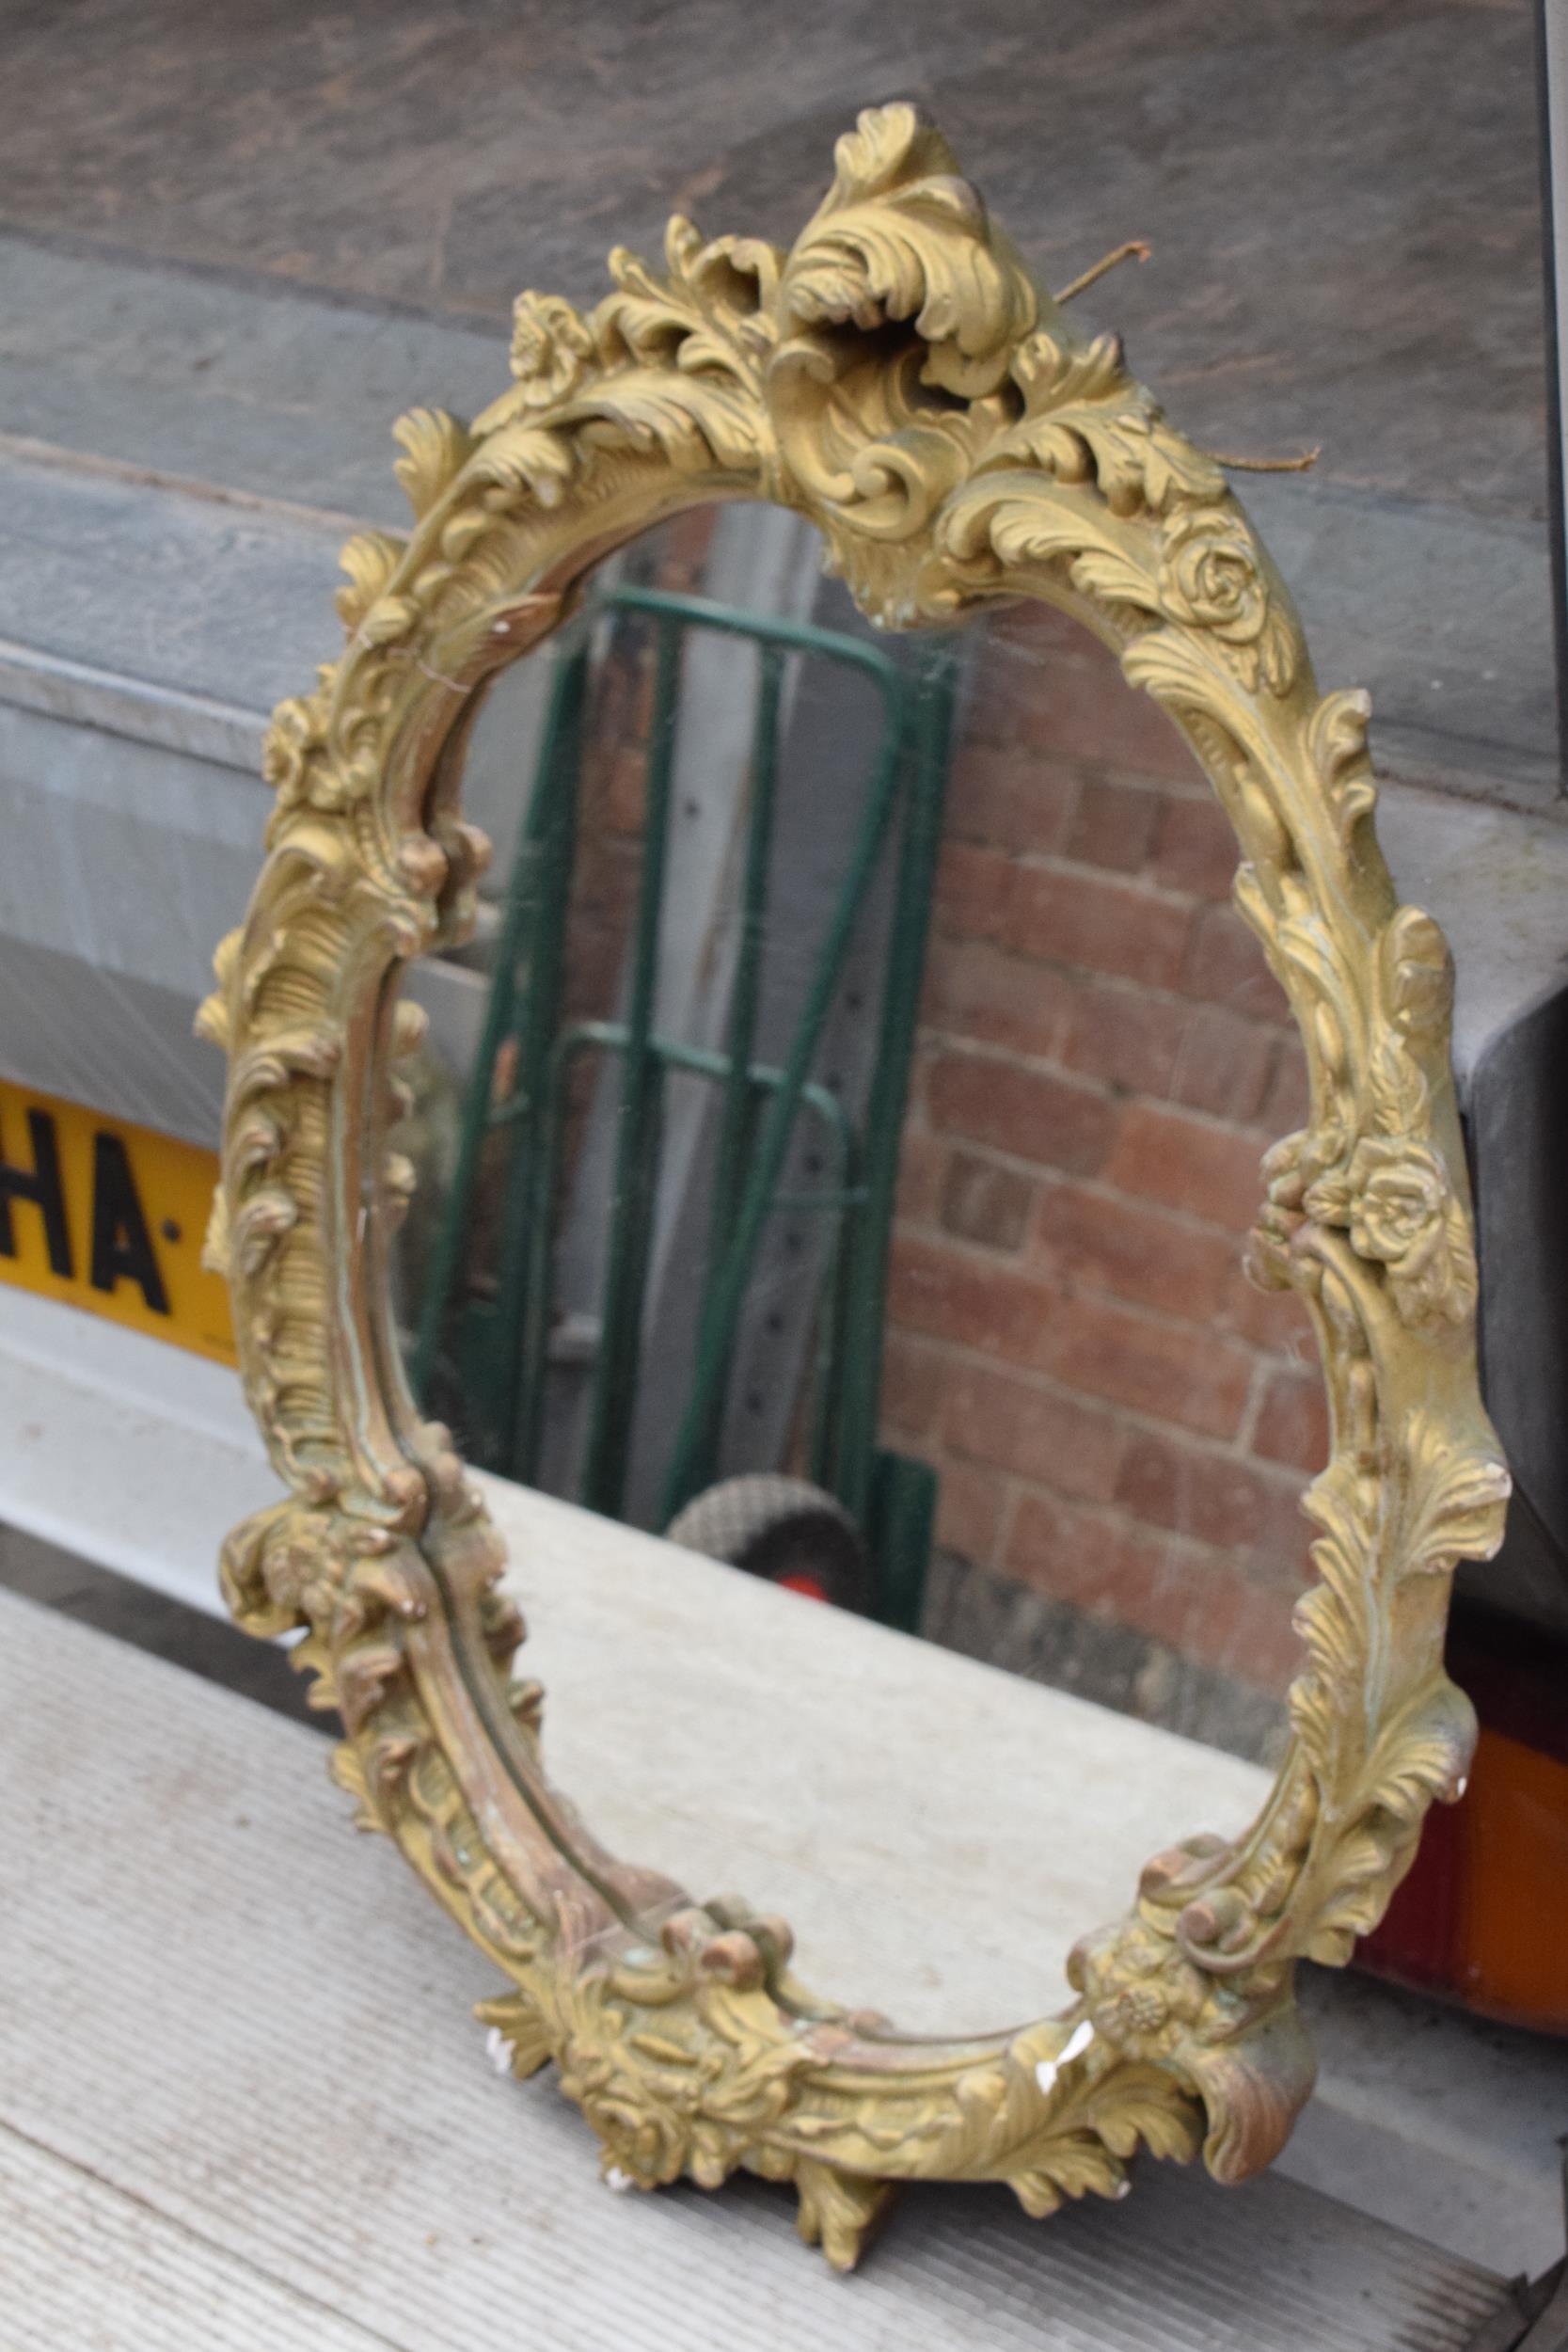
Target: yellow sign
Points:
(105, 1215)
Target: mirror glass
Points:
(836, 1144)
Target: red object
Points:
(1482, 1916)
(812, 1587)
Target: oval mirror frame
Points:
(896, 377)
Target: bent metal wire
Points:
(896, 377)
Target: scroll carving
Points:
(896, 377)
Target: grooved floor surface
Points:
(242, 2106)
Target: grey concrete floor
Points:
(1341, 194)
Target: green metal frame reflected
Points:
(494, 1352)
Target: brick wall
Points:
(1121, 1424)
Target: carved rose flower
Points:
(1209, 574)
(550, 348)
(646, 2138)
(1141, 1994)
(1208, 579)
(1134, 2013)
(1397, 1201)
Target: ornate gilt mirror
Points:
(897, 381)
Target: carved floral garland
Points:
(896, 377)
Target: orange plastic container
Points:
(1482, 1916)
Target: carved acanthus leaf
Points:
(1087, 420)
(370, 558)
(435, 449)
(839, 2211)
(694, 426)
(527, 456)
(1455, 1499)
(1254, 2086)
(902, 236)
(710, 315)
(896, 378)
(1337, 742)
(521, 2036)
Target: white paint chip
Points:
(1074, 2046)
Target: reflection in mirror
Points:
(691, 934)
(928, 1300)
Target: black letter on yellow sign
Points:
(41, 1186)
(122, 1245)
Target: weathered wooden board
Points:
(242, 2106)
(84, 2266)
